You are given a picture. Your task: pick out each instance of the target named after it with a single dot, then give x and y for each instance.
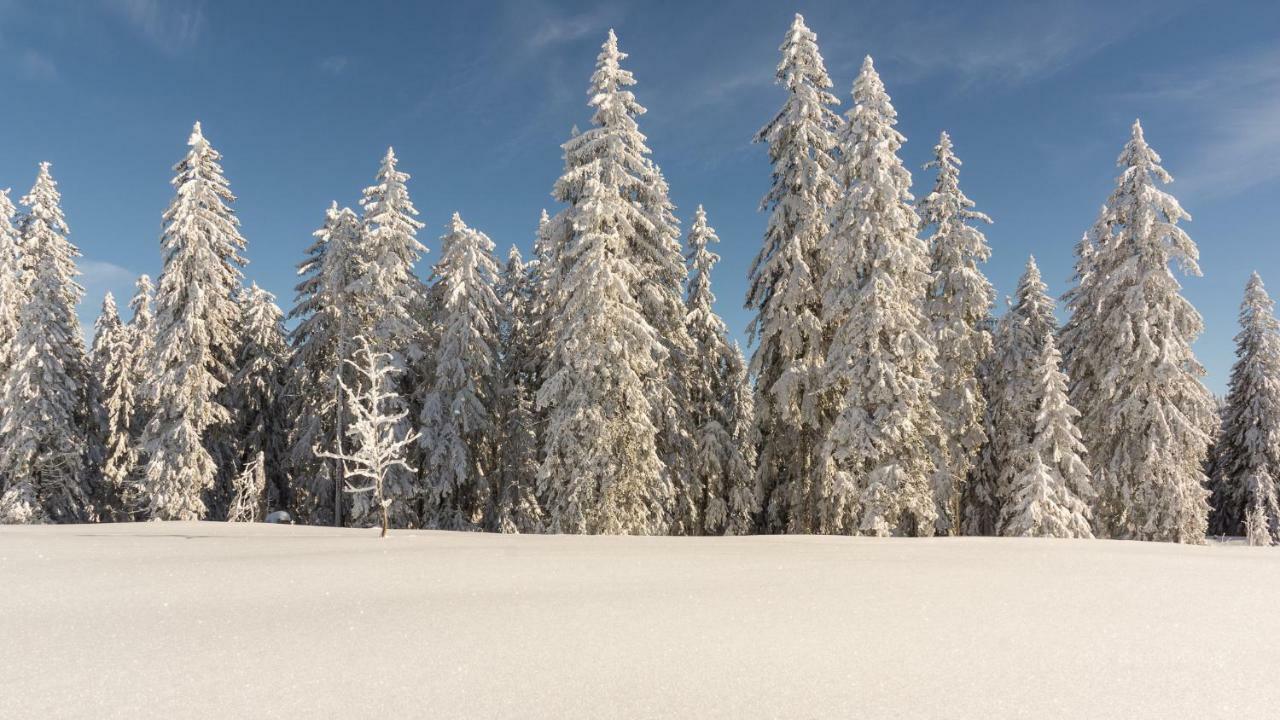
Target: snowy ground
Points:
(213, 620)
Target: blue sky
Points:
(303, 98)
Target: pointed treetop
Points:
(456, 224)
(109, 306)
(197, 136)
(514, 257)
(7, 210)
(1033, 270)
(390, 157)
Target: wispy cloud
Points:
(334, 64)
(1232, 107)
(554, 29)
(98, 277)
(37, 66)
(172, 26)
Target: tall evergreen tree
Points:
(613, 152)
(1049, 492)
(142, 328)
(959, 304)
(328, 316)
(880, 452)
(514, 506)
(113, 362)
(784, 284)
(981, 499)
(1146, 417)
(258, 395)
(719, 402)
(601, 472)
(197, 319)
(393, 297)
(12, 295)
(1246, 470)
(43, 438)
(458, 412)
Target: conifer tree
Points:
(197, 318)
(258, 395)
(12, 295)
(142, 330)
(613, 152)
(784, 285)
(1146, 417)
(959, 304)
(1049, 490)
(395, 301)
(113, 361)
(43, 438)
(601, 472)
(458, 411)
(1247, 458)
(880, 452)
(719, 402)
(514, 506)
(981, 499)
(328, 316)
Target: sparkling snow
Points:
(199, 620)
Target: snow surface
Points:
(218, 620)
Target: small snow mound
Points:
(280, 517)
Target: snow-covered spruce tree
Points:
(142, 328)
(959, 304)
(784, 286)
(113, 362)
(458, 411)
(981, 500)
(376, 432)
(717, 400)
(513, 505)
(880, 453)
(12, 295)
(601, 472)
(613, 152)
(1145, 415)
(43, 438)
(258, 396)
(396, 303)
(1247, 457)
(328, 316)
(1048, 495)
(197, 329)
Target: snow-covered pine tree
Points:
(981, 500)
(396, 302)
(197, 319)
(113, 363)
(616, 147)
(601, 472)
(258, 395)
(959, 304)
(1246, 471)
(458, 411)
(880, 453)
(376, 431)
(12, 295)
(43, 438)
(328, 316)
(1146, 417)
(784, 285)
(1048, 494)
(717, 390)
(142, 328)
(514, 504)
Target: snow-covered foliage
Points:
(249, 492)
(1146, 417)
(1246, 469)
(1049, 488)
(980, 501)
(601, 472)
(114, 361)
(514, 504)
(880, 452)
(43, 438)
(375, 431)
(613, 152)
(12, 294)
(719, 401)
(457, 419)
(142, 326)
(958, 304)
(328, 317)
(784, 285)
(258, 396)
(197, 331)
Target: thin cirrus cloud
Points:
(37, 66)
(171, 26)
(98, 277)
